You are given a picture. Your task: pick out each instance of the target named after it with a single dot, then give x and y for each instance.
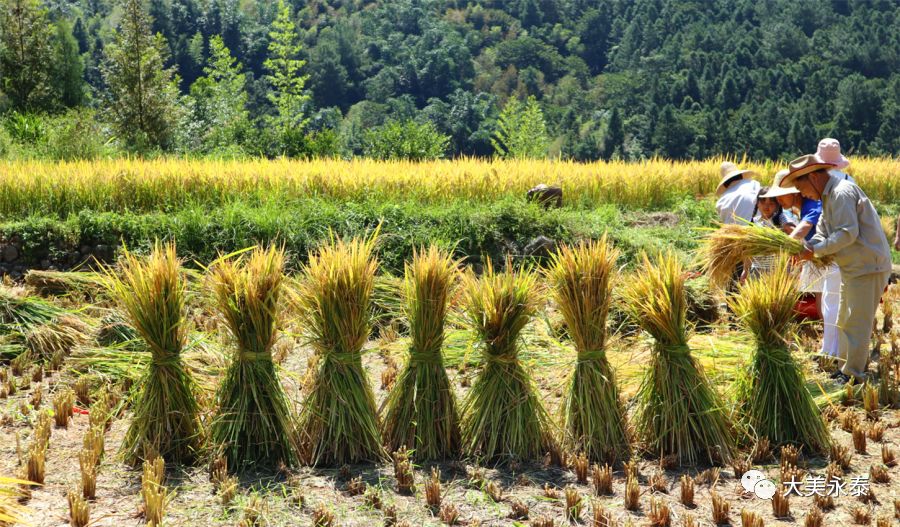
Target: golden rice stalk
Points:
(79, 511)
(774, 397)
(581, 279)
(421, 408)
(729, 245)
(339, 421)
(679, 413)
(154, 495)
(11, 513)
(165, 420)
(503, 415)
(254, 425)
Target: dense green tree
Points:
(142, 101)
(521, 131)
(219, 100)
(26, 54)
(68, 68)
(288, 94)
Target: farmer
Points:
(829, 151)
(850, 232)
(737, 193)
(807, 212)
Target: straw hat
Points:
(729, 170)
(802, 166)
(829, 151)
(776, 189)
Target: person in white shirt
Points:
(737, 193)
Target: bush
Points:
(406, 140)
(74, 135)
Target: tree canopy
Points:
(627, 79)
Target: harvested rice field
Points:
(92, 362)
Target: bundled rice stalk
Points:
(421, 408)
(729, 245)
(22, 312)
(679, 414)
(339, 422)
(151, 291)
(582, 278)
(114, 330)
(60, 283)
(253, 424)
(503, 415)
(773, 392)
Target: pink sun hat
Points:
(829, 151)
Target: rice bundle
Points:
(151, 291)
(421, 409)
(254, 423)
(502, 415)
(594, 416)
(61, 283)
(21, 312)
(338, 421)
(773, 393)
(679, 414)
(729, 245)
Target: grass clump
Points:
(503, 415)
(773, 391)
(151, 291)
(339, 422)
(679, 414)
(421, 409)
(582, 278)
(254, 423)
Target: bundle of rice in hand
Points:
(151, 291)
(338, 422)
(729, 245)
(253, 424)
(582, 278)
(679, 414)
(421, 408)
(772, 392)
(503, 415)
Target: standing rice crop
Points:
(502, 415)
(338, 421)
(253, 424)
(679, 414)
(582, 278)
(724, 248)
(773, 392)
(421, 409)
(151, 291)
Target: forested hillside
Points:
(435, 78)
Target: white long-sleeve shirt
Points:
(737, 203)
(851, 231)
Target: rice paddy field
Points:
(380, 343)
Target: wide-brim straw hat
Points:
(829, 151)
(729, 171)
(802, 166)
(777, 189)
